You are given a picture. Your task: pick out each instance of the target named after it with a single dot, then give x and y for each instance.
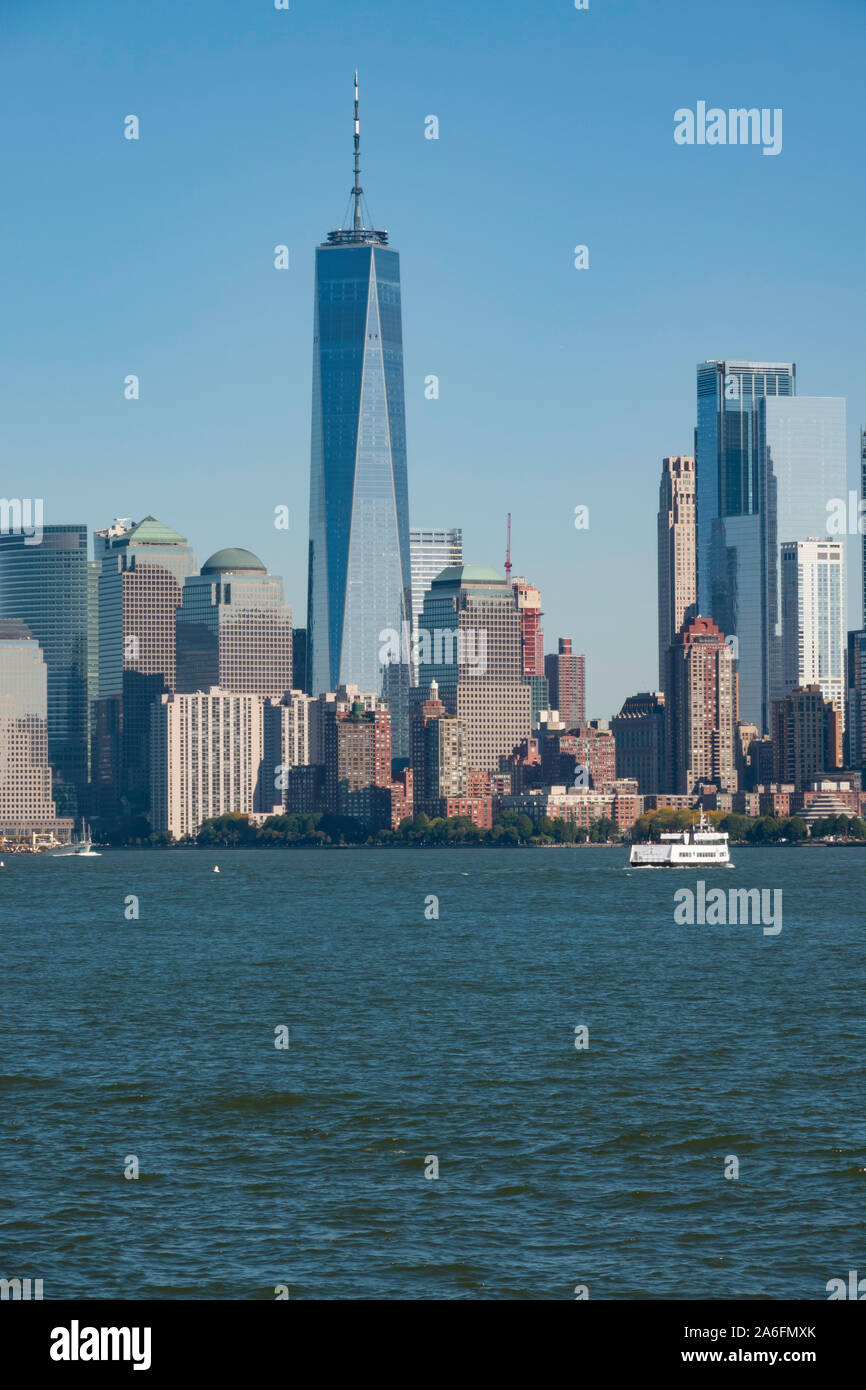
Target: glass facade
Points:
(803, 466)
(46, 587)
(359, 559)
(25, 776)
(732, 582)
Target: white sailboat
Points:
(82, 848)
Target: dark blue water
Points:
(412, 1037)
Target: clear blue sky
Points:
(558, 386)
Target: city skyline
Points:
(528, 350)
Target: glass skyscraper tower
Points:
(732, 577)
(45, 586)
(359, 578)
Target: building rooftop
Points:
(233, 558)
(153, 532)
(14, 630)
(469, 574)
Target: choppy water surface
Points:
(412, 1037)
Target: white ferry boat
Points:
(675, 849)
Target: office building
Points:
(44, 585)
(639, 734)
(140, 589)
(234, 629)
(359, 565)
(432, 550)
(27, 808)
(807, 737)
(473, 652)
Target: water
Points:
(412, 1037)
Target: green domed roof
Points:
(232, 559)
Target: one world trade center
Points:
(359, 566)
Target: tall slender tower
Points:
(359, 575)
(677, 547)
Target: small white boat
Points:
(699, 844)
(82, 847)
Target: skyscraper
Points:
(45, 586)
(206, 759)
(677, 552)
(807, 737)
(701, 710)
(470, 616)
(731, 505)
(566, 676)
(639, 731)
(234, 629)
(431, 550)
(359, 564)
(803, 465)
(813, 617)
(26, 804)
(143, 570)
(863, 523)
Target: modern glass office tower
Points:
(431, 550)
(803, 464)
(731, 565)
(45, 586)
(359, 578)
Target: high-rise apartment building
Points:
(140, 588)
(359, 566)
(354, 745)
(471, 619)
(26, 804)
(566, 677)
(438, 754)
(45, 586)
(234, 629)
(807, 737)
(813, 617)
(206, 753)
(432, 550)
(677, 552)
(701, 710)
(288, 745)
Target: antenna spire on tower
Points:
(508, 552)
(357, 190)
